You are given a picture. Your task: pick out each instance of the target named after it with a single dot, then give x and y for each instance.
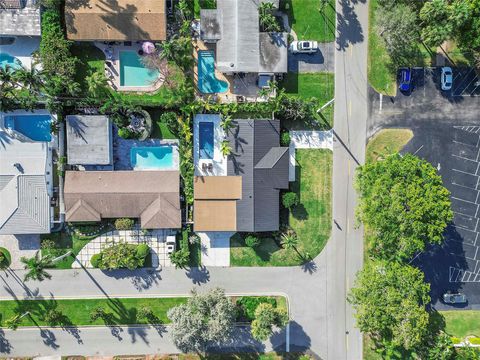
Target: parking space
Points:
(454, 266)
(465, 82)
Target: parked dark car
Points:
(456, 298)
(405, 79)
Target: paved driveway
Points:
(455, 266)
(323, 60)
(20, 245)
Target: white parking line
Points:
(461, 143)
(420, 148)
(462, 214)
(466, 187)
(464, 172)
(470, 202)
(462, 157)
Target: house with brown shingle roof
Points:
(153, 197)
(116, 20)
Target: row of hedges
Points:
(121, 256)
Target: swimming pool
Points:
(207, 82)
(152, 158)
(133, 72)
(34, 126)
(6, 59)
(205, 140)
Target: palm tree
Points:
(227, 124)
(32, 79)
(15, 321)
(168, 49)
(289, 240)
(96, 83)
(225, 148)
(36, 267)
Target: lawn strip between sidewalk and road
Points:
(461, 323)
(120, 311)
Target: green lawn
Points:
(311, 219)
(309, 21)
(91, 59)
(77, 312)
(320, 86)
(387, 142)
(160, 129)
(65, 242)
(462, 323)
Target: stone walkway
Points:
(155, 239)
(20, 245)
(215, 248)
(300, 139)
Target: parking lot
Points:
(455, 266)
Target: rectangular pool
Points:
(152, 158)
(133, 72)
(35, 127)
(205, 139)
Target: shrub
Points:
(474, 340)
(120, 256)
(126, 133)
(170, 118)
(5, 258)
(285, 138)
(180, 258)
(47, 244)
(124, 224)
(95, 260)
(252, 241)
(142, 251)
(248, 305)
(290, 199)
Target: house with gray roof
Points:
(25, 186)
(262, 164)
(240, 46)
(19, 18)
(89, 141)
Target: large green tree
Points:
(390, 301)
(441, 20)
(404, 205)
(266, 317)
(399, 29)
(205, 319)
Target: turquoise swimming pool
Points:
(205, 139)
(34, 126)
(133, 72)
(152, 158)
(207, 82)
(6, 59)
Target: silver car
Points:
(447, 78)
(457, 298)
(304, 47)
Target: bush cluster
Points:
(290, 199)
(247, 305)
(122, 255)
(4, 258)
(252, 240)
(170, 118)
(124, 224)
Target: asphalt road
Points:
(345, 249)
(305, 287)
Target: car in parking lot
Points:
(446, 78)
(405, 79)
(454, 298)
(304, 47)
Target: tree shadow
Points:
(5, 345)
(348, 27)
(241, 340)
(299, 340)
(138, 332)
(146, 279)
(199, 275)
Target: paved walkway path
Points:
(307, 140)
(155, 239)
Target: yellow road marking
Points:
(350, 108)
(348, 225)
(351, 50)
(348, 167)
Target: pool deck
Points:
(122, 147)
(112, 54)
(22, 49)
(219, 161)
